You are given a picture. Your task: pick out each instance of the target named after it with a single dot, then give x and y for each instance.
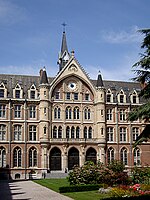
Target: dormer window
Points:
(3, 91)
(17, 92)
(134, 97)
(109, 96)
(121, 97)
(32, 93)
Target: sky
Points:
(103, 33)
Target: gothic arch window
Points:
(90, 133)
(17, 157)
(68, 113)
(85, 132)
(123, 156)
(2, 132)
(134, 97)
(137, 156)
(67, 132)
(72, 132)
(109, 96)
(17, 132)
(57, 112)
(121, 97)
(60, 132)
(110, 154)
(2, 157)
(77, 132)
(87, 113)
(32, 157)
(3, 91)
(91, 155)
(54, 132)
(32, 92)
(76, 113)
(18, 92)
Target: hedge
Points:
(78, 188)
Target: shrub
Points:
(141, 175)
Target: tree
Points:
(142, 72)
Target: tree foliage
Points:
(142, 72)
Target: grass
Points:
(54, 184)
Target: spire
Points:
(99, 80)
(64, 54)
(43, 76)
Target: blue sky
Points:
(103, 34)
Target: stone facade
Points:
(52, 124)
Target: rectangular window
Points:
(87, 97)
(2, 111)
(122, 114)
(110, 134)
(2, 132)
(57, 95)
(135, 133)
(123, 134)
(1, 93)
(17, 133)
(75, 96)
(109, 114)
(17, 111)
(17, 94)
(32, 133)
(121, 98)
(134, 99)
(68, 95)
(32, 111)
(32, 94)
(108, 99)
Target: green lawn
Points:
(54, 184)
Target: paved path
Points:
(27, 190)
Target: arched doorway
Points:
(73, 158)
(91, 155)
(55, 159)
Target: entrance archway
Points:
(91, 155)
(73, 158)
(55, 159)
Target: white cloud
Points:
(117, 37)
(10, 13)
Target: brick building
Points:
(50, 124)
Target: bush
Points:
(91, 173)
(78, 188)
(141, 175)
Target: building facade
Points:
(51, 124)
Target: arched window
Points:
(2, 157)
(2, 132)
(77, 132)
(76, 113)
(110, 155)
(137, 157)
(17, 133)
(123, 155)
(17, 157)
(32, 157)
(57, 113)
(90, 132)
(67, 132)
(55, 132)
(87, 113)
(68, 113)
(72, 131)
(60, 132)
(85, 132)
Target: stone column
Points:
(82, 155)
(101, 153)
(65, 160)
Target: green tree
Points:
(142, 72)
